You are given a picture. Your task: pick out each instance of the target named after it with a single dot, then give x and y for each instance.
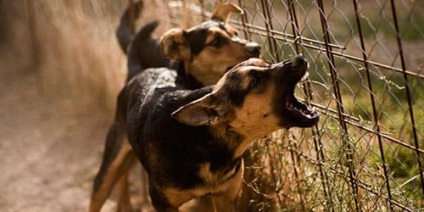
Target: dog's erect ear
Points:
(205, 111)
(223, 11)
(175, 45)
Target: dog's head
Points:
(211, 48)
(253, 99)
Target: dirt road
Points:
(48, 156)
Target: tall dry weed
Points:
(71, 48)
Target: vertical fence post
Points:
(269, 28)
(339, 102)
(295, 27)
(244, 20)
(408, 94)
(374, 109)
(298, 40)
(308, 91)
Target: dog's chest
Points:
(217, 177)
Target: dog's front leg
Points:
(203, 204)
(160, 201)
(168, 199)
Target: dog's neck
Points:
(184, 76)
(224, 172)
(234, 140)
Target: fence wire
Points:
(366, 78)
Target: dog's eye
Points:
(216, 42)
(255, 79)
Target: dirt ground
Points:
(54, 117)
(48, 157)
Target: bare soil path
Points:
(48, 156)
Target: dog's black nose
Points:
(299, 60)
(254, 49)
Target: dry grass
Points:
(71, 47)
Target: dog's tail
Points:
(142, 49)
(145, 51)
(144, 34)
(124, 32)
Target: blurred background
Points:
(61, 69)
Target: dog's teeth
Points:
(305, 76)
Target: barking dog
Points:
(200, 55)
(191, 142)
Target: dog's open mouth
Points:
(300, 115)
(303, 115)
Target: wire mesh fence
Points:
(366, 78)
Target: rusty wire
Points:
(408, 92)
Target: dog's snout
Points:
(299, 60)
(253, 49)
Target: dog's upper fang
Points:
(296, 106)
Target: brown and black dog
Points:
(191, 142)
(200, 55)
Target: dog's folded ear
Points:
(223, 11)
(175, 45)
(206, 111)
